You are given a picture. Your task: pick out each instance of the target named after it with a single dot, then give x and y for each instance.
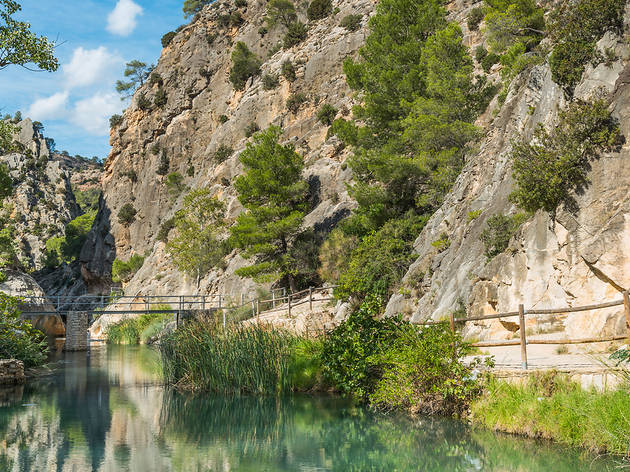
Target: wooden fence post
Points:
(521, 320)
(273, 299)
(626, 306)
(289, 304)
(310, 298)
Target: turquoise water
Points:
(106, 411)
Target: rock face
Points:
(575, 259)
(194, 70)
(18, 284)
(43, 201)
(11, 371)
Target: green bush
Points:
(236, 19)
(480, 53)
(251, 128)
(155, 79)
(334, 255)
(295, 101)
(223, 119)
(68, 247)
(489, 60)
(127, 214)
(346, 131)
(164, 164)
(245, 64)
(270, 81)
(499, 231)
(550, 168)
(175, 183)
(319, 9)
(115, 120)
(18, 339)
(474, 18)
(240, 3)
(222, 153)
(296, 33)
(123, 271)
(351, 22)
(143, 102)
(167, 38)
(575, 28)
(288, 71)
(165, 228)
(136, 330)
(326, 114)
(280, 11)
(305, 366)
(160, 98)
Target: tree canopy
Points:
(137, 72)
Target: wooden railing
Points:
(522, 313)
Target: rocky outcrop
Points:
(578, 258)
(11, 372)
(191, 126)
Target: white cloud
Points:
(122, 19)
(92, 114)
(50, 108)
(88, 66)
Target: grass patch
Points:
(550, 406)
(138, 329)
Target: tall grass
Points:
(137, 329)
(550, 406)
(236, 359)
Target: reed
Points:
(137, 329)
(202, 355)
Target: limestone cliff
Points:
(203, 112)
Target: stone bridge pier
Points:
(76, 331)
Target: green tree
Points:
(319, 9)
(245, 64)
(273, 193)
(281, 11)
(514, 21)
(137, 72)
(6, 183)
(192, 7)
(196, 248)
(18, 339)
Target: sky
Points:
(96, 38)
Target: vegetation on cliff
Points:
(18, 339)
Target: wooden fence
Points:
(522, 313)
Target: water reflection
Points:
(107, 412)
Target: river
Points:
(106, 411)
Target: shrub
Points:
(165, 228)
(575, 28)
(245, 65)
(175, 183)
(488, 61)
(224, 20)
(346, 131)
(548, 169)
(160, 98)
(499, 231)
(127, 214)
(136, 330)
(222, 153)
(251, 128)
(480, 53)
(262, 30)
(115, 120)
(334, 255)
(18, 339)
(288, 71)
(223, 119)
(295, 35)
(281, 11)
(351, 22)
(155, 79)
(143, 102)
(240, 3)
(474, 18)
(163, 165)
(236, 19)
(319, 9)
(326, 114)
(123, 271)
(167, 38)
(295, 101)
(270, 81)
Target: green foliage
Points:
(351, 22)
(305, 365)
(296, 33)
(548, 169)
(443, 243)
(334, 255)
(245, 64)
(19, 45)
(489, 60)
(127, 214)
(273, 193)
(281, 11)
(6, 182)
(165, 229)
(156, 79)
(475, 17)
(222, 153)
(164, 164)
(295, 101)
(191, 7)
(123, 271)
(223, 119)
(115, 120)
(160, 98)
(288, 70)
(196, 247)
(551, 406)
(575, 28)
(270, 81)
(236, 18)
(251, 128)
(380, 260)
(136, 330)
(499, 231)
(319, 9)
(7, 130)
(345, 130)
(473, 215)
(240, 3)
(143, 102)
(167, 38)
(511, 22)
(88, 199)
(326, 114)
(68, 247)
(175, 183)
(137, 72)
(237, 359)
(18, 339)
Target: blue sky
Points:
(97, 37)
